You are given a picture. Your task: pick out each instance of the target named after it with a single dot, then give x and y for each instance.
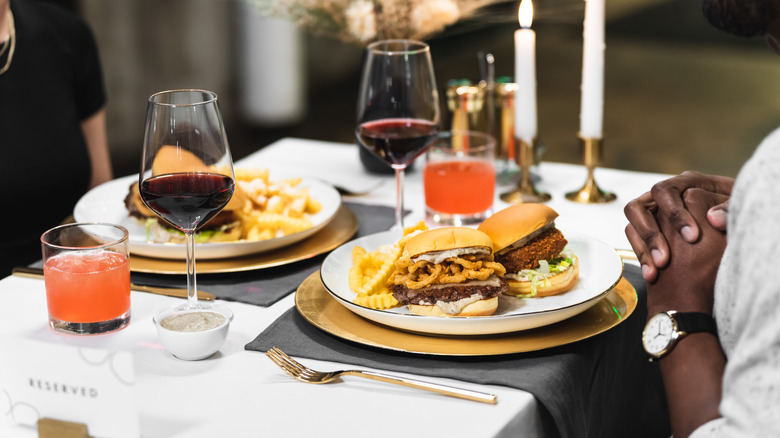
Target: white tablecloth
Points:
(242, 393)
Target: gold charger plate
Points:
(318, 307)
(342, 228)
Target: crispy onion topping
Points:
(422, 273)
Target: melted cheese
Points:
(436, 257)
(455, 307)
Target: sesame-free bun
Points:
(511, 224)
(172, 157)
(485, 307)
(137, 203)
(550, 286)
(180, 159)
(442, 239)
(238, 200)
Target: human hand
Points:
(666, 199)
(687, 282)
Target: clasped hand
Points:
(677, 231)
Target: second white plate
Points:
(600, 270)
(105, 203)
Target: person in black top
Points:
(52, 123)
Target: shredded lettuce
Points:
(158, 233)
(546, 269)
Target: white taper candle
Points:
(525, 75)
(592, 89)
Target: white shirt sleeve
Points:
(747, 302)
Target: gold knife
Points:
(22, 271)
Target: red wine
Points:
(397, 141)
(187, 200)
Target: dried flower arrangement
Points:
(363, 21)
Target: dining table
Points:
(601, 385)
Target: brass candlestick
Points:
(590, 193)
(525, 192)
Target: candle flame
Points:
(525, 13)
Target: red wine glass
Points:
(398, 107)
(186, 169)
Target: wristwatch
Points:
(665, 329)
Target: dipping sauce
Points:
(193, 321)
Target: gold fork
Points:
(308, 375)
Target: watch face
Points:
(658, 333)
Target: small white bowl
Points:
(192, 345)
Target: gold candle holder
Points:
(590, 193)
(505, 123)
(525, 192)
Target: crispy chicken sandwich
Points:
(448, 272)
(534, 252)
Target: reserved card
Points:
(80, 385)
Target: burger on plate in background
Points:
(535, 254)
(448, 272)
(224, 227)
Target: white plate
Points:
(105, 203)
(600, 270)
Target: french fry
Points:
(273, 208)
(380, 302)
(370, 271)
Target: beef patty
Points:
(428, 296)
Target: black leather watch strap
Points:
(693, 322)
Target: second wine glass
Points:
(186, 169)
(398, 107)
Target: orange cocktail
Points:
(459, 178)
(87, 275)
(90, 286)
(459, 186)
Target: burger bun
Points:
(447, 238)
(511, 224)
(174, 157)
(549, 286)
(485, 307)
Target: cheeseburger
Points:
(448, 272)
(533, 251)
(224, 227)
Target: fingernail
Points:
(718, 218)
(646, 271)
(688, 233)
(658, 258)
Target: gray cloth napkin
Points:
(599, 387)
(263, 287)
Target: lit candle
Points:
(592, 103)
(525, 74)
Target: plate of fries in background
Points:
(274, 212)
(355, 274)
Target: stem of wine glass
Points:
(192, 290)
(399, 196)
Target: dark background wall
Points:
(678, 95)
